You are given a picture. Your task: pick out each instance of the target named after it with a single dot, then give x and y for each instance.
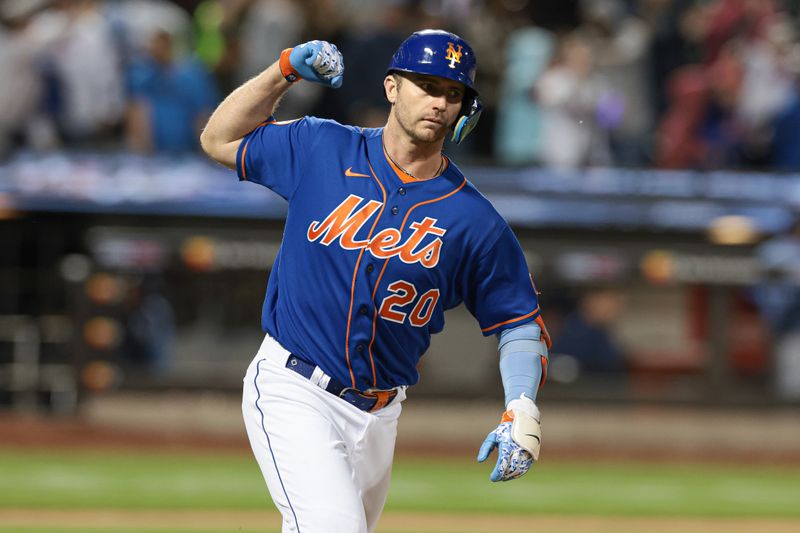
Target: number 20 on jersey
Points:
(403, 304)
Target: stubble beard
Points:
(416, 131)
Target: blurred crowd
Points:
(698, 84)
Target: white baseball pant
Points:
(327, 463)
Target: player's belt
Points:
(370, 400)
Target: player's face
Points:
(426, 106)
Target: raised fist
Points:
(317, 61)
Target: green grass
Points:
(84, 480)
(603, 489)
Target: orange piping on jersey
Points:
(244, 165)
(539, 319)
(523, 317)
(385, 263)
(375, 323)
(353, 288)
(244, 150)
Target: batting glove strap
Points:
(317, 61)
(287, 70)
(526, 428)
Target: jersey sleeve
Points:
(500, 293)
(274, 153)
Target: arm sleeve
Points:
(273, 154)
(523, 361)
(499, 290)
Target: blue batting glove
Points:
(318, 61)
(512, 460)
(517, 439)
(486, 448)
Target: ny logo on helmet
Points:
(453, 55)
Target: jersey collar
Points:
(390, 175)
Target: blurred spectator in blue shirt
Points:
(518, 132)
(170, 99)
(586, 335)
(779, 295)
(360, 48)
(787, 136)
(778, 298)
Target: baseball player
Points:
(383, 234)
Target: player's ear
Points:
(390, 86)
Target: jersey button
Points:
(360, 347)
(395, 210)
(402, 191)
(363, 310)
(370, 267)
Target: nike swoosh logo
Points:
(350, 174)
(534, 436)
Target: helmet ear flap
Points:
(468, 119)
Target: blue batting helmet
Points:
(444, 54)
(438, 53)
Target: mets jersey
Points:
(371, 259)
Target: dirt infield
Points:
(392, 522)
